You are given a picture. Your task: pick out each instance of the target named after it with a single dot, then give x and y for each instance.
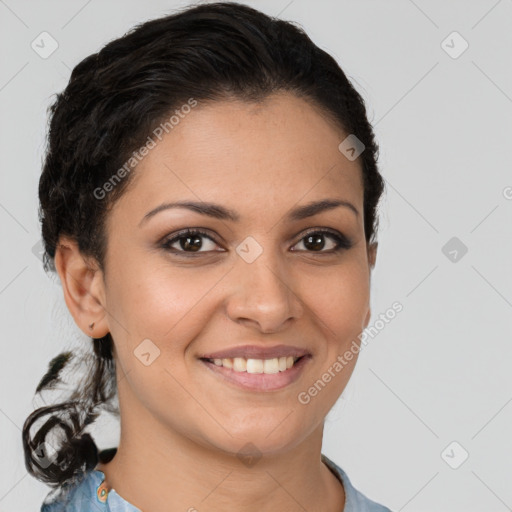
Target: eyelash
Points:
(342, 242)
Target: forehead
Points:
(282, 150)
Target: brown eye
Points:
(189, 241)
(315, 241)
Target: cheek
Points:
(171, 308)
(340, 298)
(159, 301)
(168, 304)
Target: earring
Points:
(91, 326)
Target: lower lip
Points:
(259, 381)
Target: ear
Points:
(83, 287)
(372, 254)
(372, 257)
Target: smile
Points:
(258, 374)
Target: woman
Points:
(209, 200)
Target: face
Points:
(262, 278)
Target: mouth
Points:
(258, 374)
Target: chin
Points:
(258, 442)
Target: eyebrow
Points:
(220, 212)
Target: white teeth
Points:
(269, 366)
(254, 366)
(239, 364)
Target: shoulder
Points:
(80, 495)
(87, 493)
(355, 501)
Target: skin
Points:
(181, 425)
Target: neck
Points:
(158, 469)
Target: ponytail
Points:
(60, 451)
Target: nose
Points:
(263, 294)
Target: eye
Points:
(189, 241)
(314, 241)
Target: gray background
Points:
(440, 371)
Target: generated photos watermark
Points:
(138, 155)
(305, 397)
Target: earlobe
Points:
(372, 256)
(83, 287)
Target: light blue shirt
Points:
(88, 495)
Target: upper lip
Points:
(257, 352)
